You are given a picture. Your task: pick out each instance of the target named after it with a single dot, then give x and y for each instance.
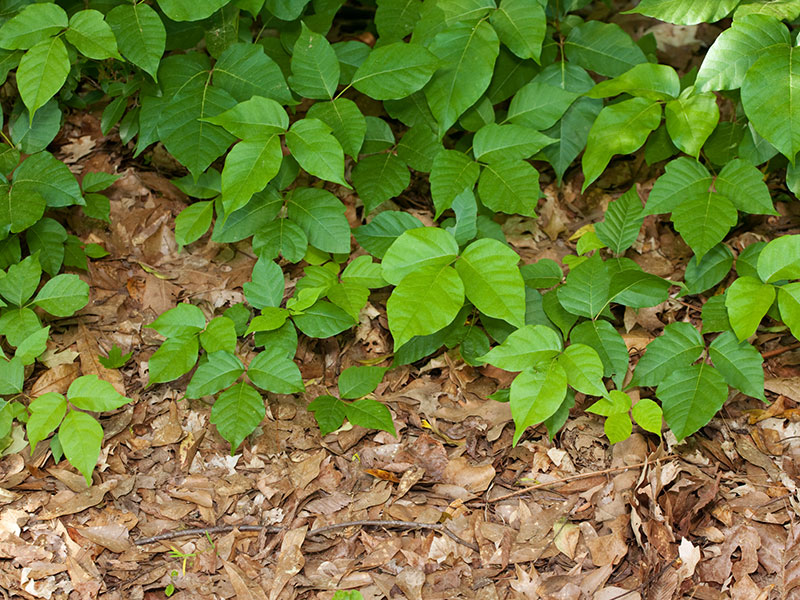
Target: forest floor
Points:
(714, 517)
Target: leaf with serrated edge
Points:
(679, 346)
(739, 363)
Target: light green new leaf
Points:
(350, 297)
(91, 35)
(789, 305)
(395, 71)
(703, 274)
(356, 382)
(80, 437)
(47, 411)
(281, 236)
(21, 281)
(690, 120)
(683, 179)
(618, 427)
(739, 363)
(316, 150)
(12, 376)
(344, 118)
(771, 98)
(521, 25)
(678, 347)
(190, 10)
(270, 370)
(603, 48)
(237, 412)
(510, 186)
(321, 216)
(495, 142)
(380, 233)
(33, 346)
(536, 395)
(647, 80)
(467, 53)
(257, 117)
(586, 291)
(378, 178)
(363, 271)
(42, 71)
(219, 334)
(748, 300)
(743, 184)
(174, 358)
(524, 348)
(613, 403)
(192, 222)
(244, 71)
(249, 167)
(492, 281)
(690, 397)
(140, 34)
(31, 25)
(452, 172)
(329, 413)
(371, 414)
(623, 220)
(584, 369)
(92, 393)
(323, 320)
(415, 249)
(704, 221)
(620, 128)
(218, 372)
(736, 49)
(686, 12)
(779, 259)
(315, 68)
(270, 319)
(63, 295)
(648, 415)
(781, 9)
(182, 321)
(425, 301)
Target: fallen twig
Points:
(779, 351)
(272, 529)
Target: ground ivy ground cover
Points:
(273, 111)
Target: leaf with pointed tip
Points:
(703, 222)
(686, 12)
(316, 150)
(690, 120)
(536, 395)
(257, 117)
(80, 437)
(740, 364)
(270, 370)
(244, 70)
(526, 347)
(249, 167)
(678, 347)
(779, 259)
(690, 397)
(140, 34)
(647, 80)
(370, 414)
(378, 178)
(344, 118)
(586, 291)
(521, 25)
(321, 216)
(31, 25)
(623, 220)
(395, 71)
(418, 248)
(603, 48)
(237, 412)
(747, 301)
(495, 142)
(510, 186)
(221, 370)
(452, 173)
(42, 72)
(315, 68)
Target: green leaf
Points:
(315, 68)
(419, 148)
(357, 382)
(743, 184)
(544, 100)
(603, 48)
(395, 19)
(715, 315)
(415, 249)
(378, 178)
(42, 71)
(31, 135)
(249, 167)
(363, 271)
(281, 236)
(614, 403)
(80, 437)
(556, 314)
(323, 319)
(584, 369)
(524, 348)
(12, 376)
(175, 357)
(690, 397)
(572, 132)
(684, 179)
(748, 300)
(536, 395)
(686, 12)
(329, 413)
(789, 306)
(237, 412)
(647, 80)
(558, 419)
(467, 53)
(424, 301)
(618, 427)
(63, 295)
(97, 181)
(452, 172)
(140, 34)
(350, 297)
(507, 142)
(648, 415)
(43, 174)
(678, 347)
(32, 346)
(321, 216)
(492, 281)
(623, 220)
(586, 291)
(267, 285)
(736, 49)
(192, 222)
(256, 214)
(620, 128)
(318, 152)
(257, 117)
(544, 273)
(47, 412)
(115, 358)
(221, 370)
(21, 280)
(91, 393)
(18, 325)
(370, 414)
(91, 35)
(638, 289)
(190, 10)
(782, 9)
(244, 70)
(271, 318)
(182, 321)
(703, 222)
(780, 259)
(219, 334)
(707, 272)
(690, 120)
(521, 26)
(47, 237)
(379, 136)
(380, 233)
(270, 370)
(195, 143)
(510, 186)
(395, 71)
(739, 363)
(33, 24)
(344, 118)
(775, 115)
